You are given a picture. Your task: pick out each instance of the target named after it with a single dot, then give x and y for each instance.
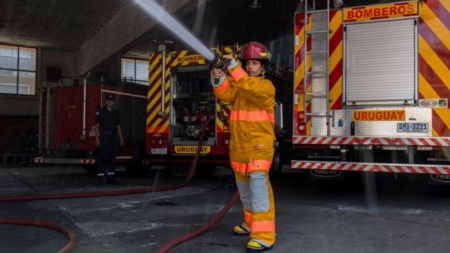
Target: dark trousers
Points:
(109, 147)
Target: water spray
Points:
(164, 18)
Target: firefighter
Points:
(108, 135)
(252, 140)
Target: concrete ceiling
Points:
(62, 25)
(70, 24)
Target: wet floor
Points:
(401, 215)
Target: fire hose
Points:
(45, 224)
(71, 235)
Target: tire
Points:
(140, 165)
(205, 171)
(277, 155)
(91, 169)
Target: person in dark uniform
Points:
(108, 136)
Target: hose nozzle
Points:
(221, 64)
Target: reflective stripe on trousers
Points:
(259, 208)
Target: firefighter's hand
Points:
(217, 77)
(232, 62)
(216, 73)
(97, 142)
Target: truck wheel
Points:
(205, 170)
(91, 169)
(276, 162)
(140, 165)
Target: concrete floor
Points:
(327, 217)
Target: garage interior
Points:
(87, 39)
(74, 42)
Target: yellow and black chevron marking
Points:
(155, 122)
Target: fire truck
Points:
(369, 93)
(67, 123)
(180, 103)
(161, 123)
(371, 89)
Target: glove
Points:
(217, 81)
(231, 61)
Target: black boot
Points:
(111, 180)
(100, 179)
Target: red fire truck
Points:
(370, 94)
(371, 89)
(180, 102)
(67, 123)
(161, 123)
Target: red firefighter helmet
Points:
(254, 51)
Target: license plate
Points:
(159, 151)
(406, 127)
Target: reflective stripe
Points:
(259, 192)
(271, 117)
(251, 166)
(244, 191)
(239, 167)
(259, 165)
(262, 226)
(248, 217)
(238, 73)
(252, 116)
(222, 87)
(263, 243)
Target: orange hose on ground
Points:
(44, 224)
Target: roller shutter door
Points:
(380, 62)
